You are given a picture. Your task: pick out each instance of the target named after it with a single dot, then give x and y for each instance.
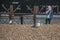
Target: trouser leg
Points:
(49, 21)
(46, 21)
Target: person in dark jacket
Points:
(49, 13)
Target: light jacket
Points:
(50, 14)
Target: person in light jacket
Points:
(49, 13)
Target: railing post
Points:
(36, 9)
(57, 9)
(10, 12)
(21, 19)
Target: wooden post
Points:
(21, 19)
(57, 9)
(36, 9)
(11, 9)
(11, 12)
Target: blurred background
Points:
(27, 14)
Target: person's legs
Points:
(46, 21)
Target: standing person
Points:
(49, 13)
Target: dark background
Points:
(31, 3)
(37, 2)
